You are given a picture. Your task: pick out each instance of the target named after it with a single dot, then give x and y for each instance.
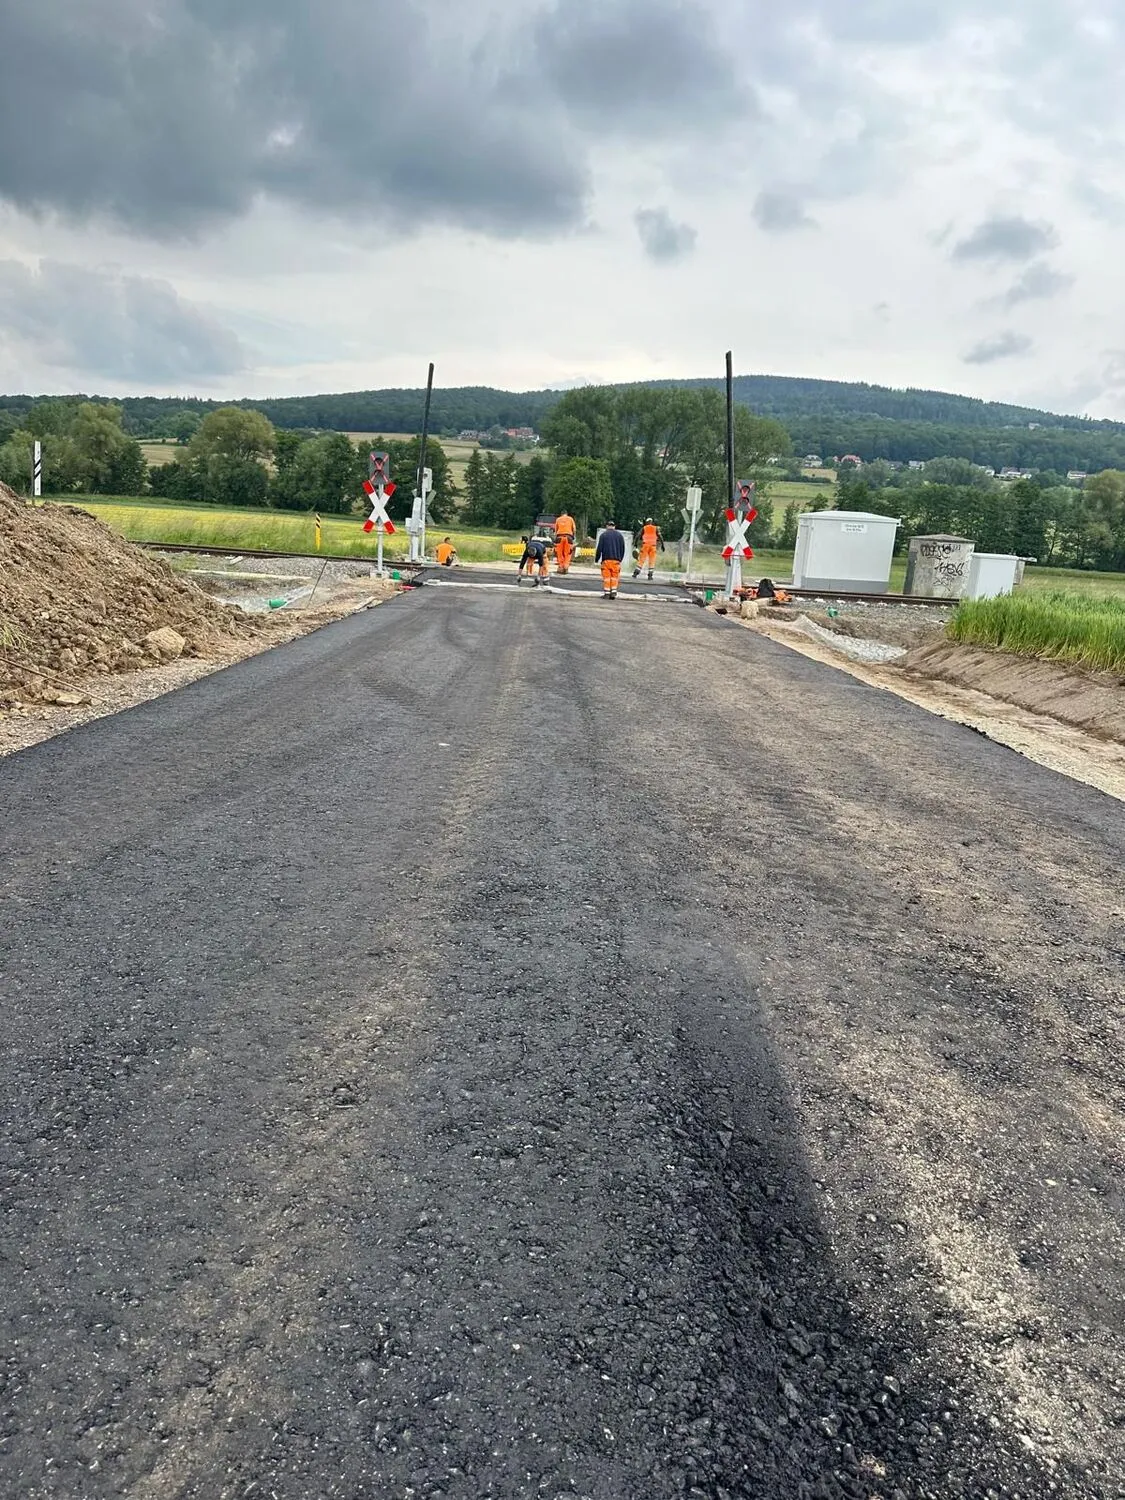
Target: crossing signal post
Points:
(740, 517)
(691, 517)
(379, 490)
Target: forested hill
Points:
(827, 417)
(787, 397)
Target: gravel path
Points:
(504, 1046)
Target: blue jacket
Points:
(611, 547)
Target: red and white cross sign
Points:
(737, 527)
(378, 516)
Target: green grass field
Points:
(783, 492)
(273, 530)
(1055, 625)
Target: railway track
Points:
(260, 552)
(416, 567)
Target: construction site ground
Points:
(509, 1046)
(78, 606)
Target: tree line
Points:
(621, 454)
(233, 457)
(1059, 524)
(823, 416)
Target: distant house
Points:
(813, 461)
(1034, 426)
(1010, 474)
(521, 434)
(470, 435)
(1077, 476)
(853, 459)
(916, 465)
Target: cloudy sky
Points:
(282, 196)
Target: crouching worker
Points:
(534, 556)
(610, 554)
(446, 554)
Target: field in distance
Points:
(149, 520)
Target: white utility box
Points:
(844, 551)
(992, 574)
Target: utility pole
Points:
(37, 471)
(734, 568)
(421, 489)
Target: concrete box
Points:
(938, 566)
(843, 551)
(991, 574)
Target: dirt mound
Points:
(76, 599)
(1093, 701)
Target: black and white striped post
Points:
(37, 470)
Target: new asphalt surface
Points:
(508, 1045)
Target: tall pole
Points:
(420, 487)
(37, 470)
(730, 430)
(734, 567)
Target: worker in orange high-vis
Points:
(446, 554)
(610, 554)
(651, 540)
(565, 531)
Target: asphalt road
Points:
(505, 1045)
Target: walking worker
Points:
(610, 553)
(534, 556)
(651, 539)
(565, 531)
(446, 553)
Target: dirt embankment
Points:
(1091, 701)
(76, 600)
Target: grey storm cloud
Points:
(169, 116)
(663, 239)
(1003, 346)
(1002, 239)
(104, 323)
(655, 64)
(1038, 282)
(779, 212)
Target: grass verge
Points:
(275, 531)
(1082, 629)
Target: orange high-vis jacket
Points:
(564, 526)
(650, 538)
(444, 553)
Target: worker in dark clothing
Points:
(610, 553)
(534, 556)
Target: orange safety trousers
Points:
(564, 552)
(611, 574)
(646, 557)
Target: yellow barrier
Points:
(515, 549)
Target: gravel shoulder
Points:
(495, 1047)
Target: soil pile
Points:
(76, 599)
